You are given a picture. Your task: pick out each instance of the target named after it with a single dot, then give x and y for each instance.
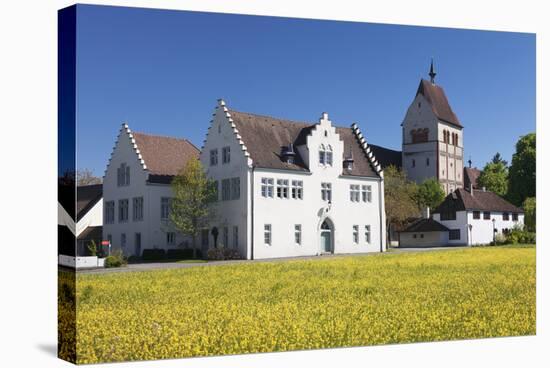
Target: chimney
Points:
(472, 189)
(484, 189)
(426, 213)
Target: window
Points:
(448, 215)
(137, 208)
(297, 189)
(123, 175)
(325, 155)
(110, 238)
(226, 155)
(226, 236)
(122, 210)
(235, 188)
(422, 236)
(454, 234)
(477, 215)
(298, 234)
(226, 189)
(267, 187)
(214, 157)
(219, 128)
(329, 156)
(514, 216)
(204, 238)
(165, 204)
(282, 188)
(235, 236)
(367, 234)
(123, 240)
(366, 193)
(505, 216)
(267, 234)
(356, 234)
(414, 236)
(326, 191)
(413, 163)
(322, 157)
(110, 212)
(427, 161)
(486, 215)
(354, 192)
(170, 238)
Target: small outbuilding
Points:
(425, 232)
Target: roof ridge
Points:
(298, 122)
(161, 136)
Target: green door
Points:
(326, 241)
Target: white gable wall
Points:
(229, 213)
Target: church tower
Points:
(433, 145)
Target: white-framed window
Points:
(354, 193)
(137, 209)
(235, 236)
(170, 238)
(110, 212)
(298, 234)
(267, 234)
(226, 189)
(454, 234)
(226, 237)
(267, 187)
(213, 157)
(356, 234)
(123, 175)
(122, 210)
(226, 155)
(322, 156)
(235, 188)
(282, 188)
(366, 193)
(325, 155)
(326, 191)
(123, 240)
(215, 187)
(367, 234)
(165, 204)
(297, 189)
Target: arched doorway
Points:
(326, 233)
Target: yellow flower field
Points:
(306, 304)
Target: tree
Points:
(530, 208)
(494, 177)
(399, 198)
(86, 177)
(429, 194)
(497, 158)
(522, 182)
(193, 195)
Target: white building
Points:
(473, 216)
(432, 140)
(137, 193)
(292, 189)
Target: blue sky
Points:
(162, 71)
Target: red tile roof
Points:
(438, 101)
(470, 177)
(461, 200)
(265, 136)
(164, 156)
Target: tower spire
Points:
(432, 73)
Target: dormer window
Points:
(325, 155)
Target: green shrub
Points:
(519, 235)
(219, 254)
(153, 254)
(116, 259)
